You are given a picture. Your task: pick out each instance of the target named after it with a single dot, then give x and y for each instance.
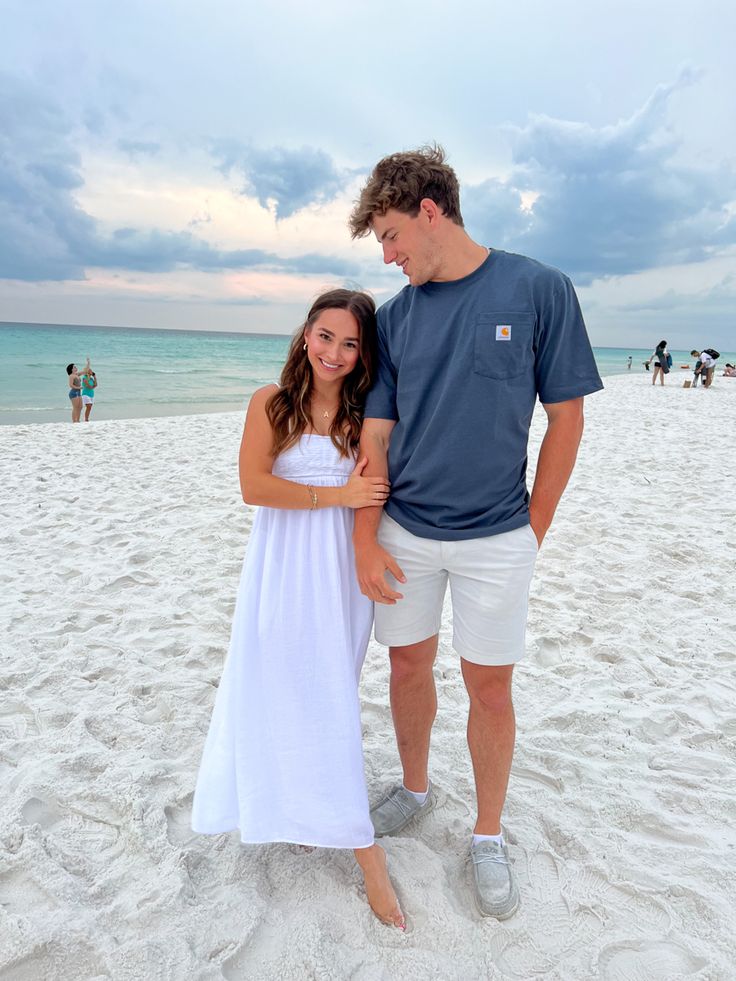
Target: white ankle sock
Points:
(419, 798)
(497, 838)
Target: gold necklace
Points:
(326, 414)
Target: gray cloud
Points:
(721, 295)
(46, 236)
(290, 179)
(204, 219)
(611, 201)
(40, 223)
(158, 251)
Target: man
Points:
(465, 349)
(705, 366)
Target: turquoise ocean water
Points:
(164, 372)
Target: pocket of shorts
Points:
(534, 538)
(386, 526)
(503, 344)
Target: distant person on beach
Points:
(705, 366)
(283, 759)
(75, 391)
(628, 365)
(729, 371)
(464, 350)
(662, 362)
(89, 384)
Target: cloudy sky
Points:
(180, 164)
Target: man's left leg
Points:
(491, 735)
(489, 580)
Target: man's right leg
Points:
(412, 691)
(413, 707)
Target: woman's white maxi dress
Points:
(283, 759)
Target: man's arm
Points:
(372, 561)
(259, 485)
(555, 462)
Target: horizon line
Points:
(162, 330)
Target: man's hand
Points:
(371, 563)
(556, 460)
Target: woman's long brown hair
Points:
(289, 410)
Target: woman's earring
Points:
(305, 346)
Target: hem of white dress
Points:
(310, 843)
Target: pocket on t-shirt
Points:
(503, 344)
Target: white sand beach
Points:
(122, 544)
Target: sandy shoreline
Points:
(117, 591)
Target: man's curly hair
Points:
(402, 181)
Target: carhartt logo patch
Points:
(503, 332)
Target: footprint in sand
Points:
(537, 776)
(128, 582)
(659, 724)
(21, 895)
(642, 961)
(549, 651)
(105, 731)
(563, 912)
(178, 822)
(375, 717)
(578, 637)
(104, 673)
(57, 960)
(691, 768)
(551, 926)
(18, 720)
(93, 837)
(608, 655)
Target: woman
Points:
(75, 391)
(283, 757)
(89, 384)
(662, 362)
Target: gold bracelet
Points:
(313, 495)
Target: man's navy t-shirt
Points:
(460, 366)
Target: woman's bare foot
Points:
(380, 892)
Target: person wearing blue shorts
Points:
(465, 349)
(75, 391)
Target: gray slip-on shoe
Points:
(394, 811)
(496, 891)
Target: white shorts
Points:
(489, 584)
(88, 400)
